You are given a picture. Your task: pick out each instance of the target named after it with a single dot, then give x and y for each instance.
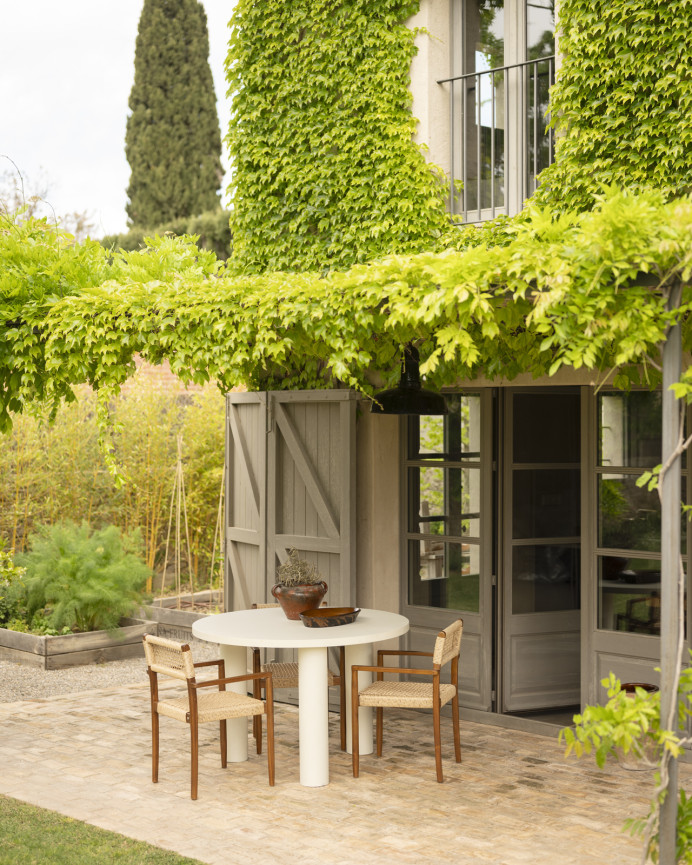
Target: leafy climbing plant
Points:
(326, 172)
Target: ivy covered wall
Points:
(326, 173)
(623, 100)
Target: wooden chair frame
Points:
(337, 680)
(192, 717)
(380, 670)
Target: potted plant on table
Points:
(299, 586)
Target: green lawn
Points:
(34, 836)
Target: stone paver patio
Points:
(514, 799)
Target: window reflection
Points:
(629, 517)
(545, 578)
(444, 496)
(448, 501)
(451, 437)
(630, 429)
(545, 503)
(444, 575)
(483, 106)
(630, 592)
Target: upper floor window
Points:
(498, 103)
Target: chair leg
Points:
(379, 729)
(224, 743)
(438, 742)
(154, 747)
(257, 694)
(342, 697)
(270, 737)
(455, 722)
(194, 759)
(355, 738)
(257, 731)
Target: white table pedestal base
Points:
(314, 717)
(357, 655)
(235, 659)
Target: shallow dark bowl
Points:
(327, 617)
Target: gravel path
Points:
(19, 682)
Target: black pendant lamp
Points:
(408, 397)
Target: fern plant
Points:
(82, 580)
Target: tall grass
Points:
(52, 473)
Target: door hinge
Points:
(493, 696)
(493, 580)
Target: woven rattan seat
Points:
(212, 707)
(285, 675)
(433, 695)
(405, 695)
(169, 658)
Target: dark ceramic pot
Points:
(296, 599)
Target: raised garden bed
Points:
(174, 623)
(73, 650)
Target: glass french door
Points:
(626, 529)
(541, 549)
(448, 483)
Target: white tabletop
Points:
(271, 628)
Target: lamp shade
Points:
(408, 397)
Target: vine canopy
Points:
(563, 290)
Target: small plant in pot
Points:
(299, 586)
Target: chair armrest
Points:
(248, 677)
(404, 652)
(405, 670)
(381, 653)
(218, 663)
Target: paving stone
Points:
(514, 799)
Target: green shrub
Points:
(12, 588)
(82, 580)
(212, 230)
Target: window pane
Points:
(482, 109)
(540, 28)
(448, 501)
(545, 503)
(454, 436)
(630, 429)
(629, 517)
(489, 48)
(629, 595)
(545, 578)
(444, 575)
(546, 428)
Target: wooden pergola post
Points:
(670, 492)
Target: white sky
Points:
(66, 70)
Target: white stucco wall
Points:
(431, 100)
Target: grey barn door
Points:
(290, 458)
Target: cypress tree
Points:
(173, 142)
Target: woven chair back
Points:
(448, 644)
(167, 657)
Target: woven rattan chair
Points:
(285, 675)
(175, 659)
(412, 695)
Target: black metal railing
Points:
(499, 137)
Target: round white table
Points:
(234, 632)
